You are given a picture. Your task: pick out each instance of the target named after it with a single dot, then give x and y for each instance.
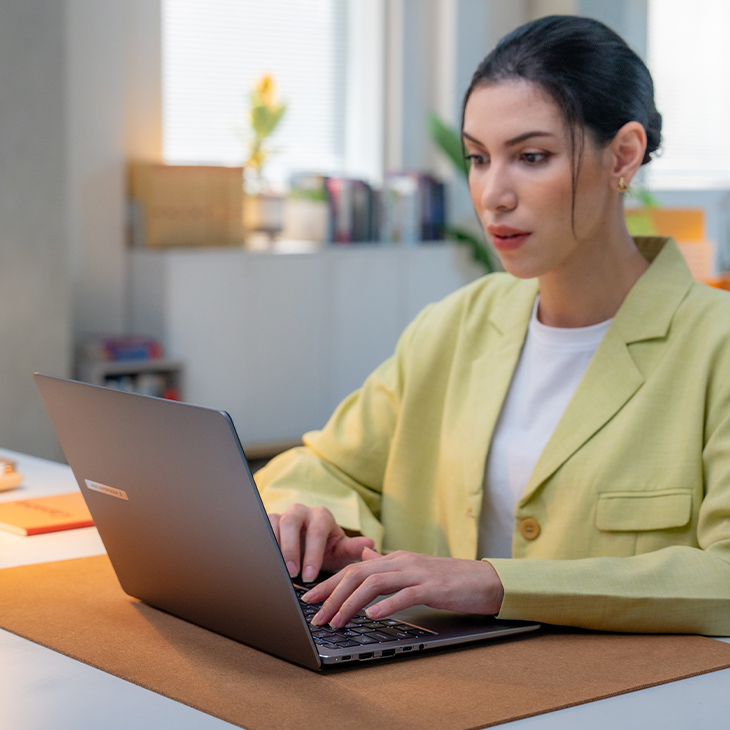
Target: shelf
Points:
(159, 377)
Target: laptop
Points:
(178, 511)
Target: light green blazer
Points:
(631, 493)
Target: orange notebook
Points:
(45, 514)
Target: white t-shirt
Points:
(552, 363)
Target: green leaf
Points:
(448, 140)
(264, 119)
(640, 223)
(644, 196)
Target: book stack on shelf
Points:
(410, 208)
(353, 211)
(414, 208)
(131, 363)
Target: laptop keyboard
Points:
(360, 631)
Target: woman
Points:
(566, 422)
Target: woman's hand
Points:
(313, 533)
(468, 586)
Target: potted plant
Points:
(262, 207)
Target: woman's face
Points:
(521, 184)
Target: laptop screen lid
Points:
(175, 504)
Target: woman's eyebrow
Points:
(515, 140)
(466, 135)
(524, 137)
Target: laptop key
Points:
(396, 633)
(364, 639)
(378, 636)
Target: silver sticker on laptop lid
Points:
(104, 489)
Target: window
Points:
(213, 51)
(689, 58)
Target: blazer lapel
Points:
(613, 376)
(491, 375)
(610, 381)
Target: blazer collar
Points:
(649, 307)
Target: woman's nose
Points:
(498, 193)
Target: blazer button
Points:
(529, 528)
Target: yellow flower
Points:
(266, 90)
(264, 115)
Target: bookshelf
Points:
(159, 377)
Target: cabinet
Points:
(277, 340)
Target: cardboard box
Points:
(686, 226)
(682, 224)
(185, 205)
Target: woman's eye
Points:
(475, 160)
(535, 158)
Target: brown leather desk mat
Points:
(76, 607)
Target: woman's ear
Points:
(628, 148)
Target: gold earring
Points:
(622, 185)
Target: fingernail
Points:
(335, 623)
(307, 597)
(316, 621)
(373, 611)
(309, 574)
(292, 568)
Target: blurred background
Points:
(241, 203)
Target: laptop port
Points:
(388, 652)
(346, 657)
(366, 655)
(406, 648)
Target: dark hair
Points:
(590, 72)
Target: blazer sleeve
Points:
(342, 467)
(676, 589)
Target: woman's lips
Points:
(505, 238)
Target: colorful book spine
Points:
(353, 211)
(414, 208)
(113, 349)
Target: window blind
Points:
(689, 58)
(214, 51)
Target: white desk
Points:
(43, 690)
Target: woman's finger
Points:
(320, 528)
(379, 584)
(291, 523)
(359, 585)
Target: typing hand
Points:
(468, 586)
(314, 532)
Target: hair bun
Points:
(653, 135)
